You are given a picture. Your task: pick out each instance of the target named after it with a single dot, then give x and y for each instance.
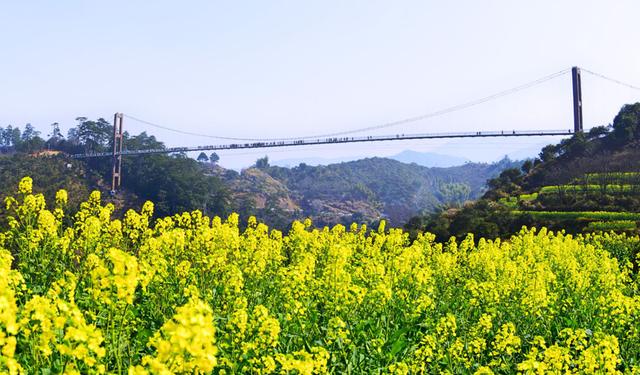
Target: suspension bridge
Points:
(348, 136)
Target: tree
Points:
(55, 131)
(142, 141)
(214, 158)
(4, 141)
(14, 136)
(262, 163)
(93, 136)
(30, 140)
(626, 124)
(548, 153)
(526, 166)
(11, 137)
(571, 147)
(55, 137)
(203, 157)
(597, 132)
(507, 183)
(29, 133)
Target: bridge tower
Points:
(577, 99)
(116, 172)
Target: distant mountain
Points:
(429, 159)
(425, 159)
(294, 162)
(528, 152)
(364, 191)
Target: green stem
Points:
(118, 357)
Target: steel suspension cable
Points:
(611, 79)
(440, 112)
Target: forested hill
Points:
(175, 183)
(588, 182)
(363, 191)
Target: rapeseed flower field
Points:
(188, 294)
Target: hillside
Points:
(52, 173)
(366, 190)
(174, 183)
(255, 193)
(363, 191)
(429, 159)
(426, 159)
(588, 182)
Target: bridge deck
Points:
(323, 141)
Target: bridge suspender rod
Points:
(577, 99)
(116, 172)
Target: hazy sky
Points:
(289, 68)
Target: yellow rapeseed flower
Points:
(26, 185)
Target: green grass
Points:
(592, 188)
(528, 197)
(510, 202)
(620, 178)
(575, 215)
(616, 226)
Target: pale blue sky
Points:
(287, 68)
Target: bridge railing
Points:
(371, 138)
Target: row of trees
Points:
(213, 158)
(13, 139)
(87, 136)
(175, 183)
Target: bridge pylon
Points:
(116, 172)
(577, 99)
